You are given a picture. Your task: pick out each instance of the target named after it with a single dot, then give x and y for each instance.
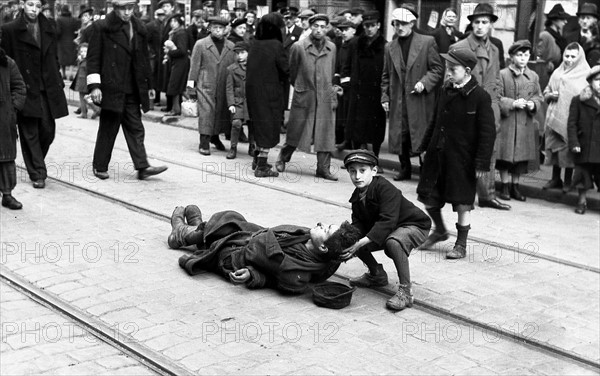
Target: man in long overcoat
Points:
(30, 40)
(155, 28)
(119, 81)
(312, 115)
(412, 69)
(366, 117)
(487, 73)
(208, 74)
(66, 30)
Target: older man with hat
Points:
(304, 17)
(30, 40)
(197, 29)
(292, 32)
(209, 8)
(240, 10)
(348, 30)
(366, 118)
(551, 44)
(487, 74)
(208, 75)
(585, 34)
(119, 73)
(412, 69)
(312, 115)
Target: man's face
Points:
(47, 13)
(250, 18)
(481, 26)
(570, 56)
(403, 29)
(32, 9)
(347, 16)
(361, 174)
(210, 11)
(371, 28)
(348, 33)
(198, 21)
(304, 22)
(320, 233)
(224, 13)
(125, 12)
(455, 73)
(356, 18)
(289, 21)
(318, 29)
(596, 84)
(521, 58)
(217, 31)
(86, 18)
(168, 8)
(586, 21)
(239, 13)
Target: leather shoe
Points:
(102, 175)
(580, 209)
(432, 239)
(204, 151)
(218, 145)
(280, 166)
(8, 201)
(326, 175)
(494, 204)
(516, 194)
(150, 171)
(457, 252)
(402, 175)
(553, 184)
(40, 183)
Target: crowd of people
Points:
(448, 97)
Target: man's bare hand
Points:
(386, 106)
(96, 96)
(240, 276)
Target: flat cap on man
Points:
(346, 24)
(122, 3)
(318, 17)
(371, 16)
(197, 13)
(335, 21)
(163, 2)
(241, 46)
(593, 73)
(520, 45)
(411, 8)
(217, 21)
(86, 10)
(209, 4)
(306, 13)
(241, 6)
(361, 156)
(355, 11)
(237, 22)
(461, 56)
(403, 15)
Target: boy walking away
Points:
(80, 83)
(236, 95)
(459, 145)
(386, 220)
(584, 137)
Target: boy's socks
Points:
(462, 233)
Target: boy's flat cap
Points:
(361, 156)
(461, 56)
(519, 45)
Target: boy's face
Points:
(348, 33)
(242, 56)
(455, 73)
(371, 28)
(361, 174)
(521, 58)
(320, 233)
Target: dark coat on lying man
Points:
(276, 257)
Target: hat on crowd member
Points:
(197, 13)
(241, 46)
(370, 16)
(179, 17)
(461, 56)
(557, 13)
(122, 3)
(342, 12)
(241, 6)
(289, 11)
(588, 9)
(306, 13)
(361, 156)
(483, 10)
(346, 24)
(318, 17)
(47, 7)
(163, 2)
(86, 10)
(237, 22)
(403, 15)
(593, 73)
(411, 8)
(280, 5)
(217, 21)
(520, 45)
(355, 11)
(337, 20)
(208, 4)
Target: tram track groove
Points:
(418, 303)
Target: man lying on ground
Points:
(285, 257)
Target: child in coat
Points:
(584, 137)
(459, 144)
(386, 220)
(80, 84)
(236, 95)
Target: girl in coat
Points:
(566, 82)
(79, 84)
(12, 99)
(178, 61)
(520, 98)
(584, 137)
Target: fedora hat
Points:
(483, 10)
(557, 13)
(588, 9)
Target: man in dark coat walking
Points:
(155, 28)
(31, 41)
(119, 81)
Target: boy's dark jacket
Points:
(584, 127)
(264, 251)
(459, 141)
(385, 209)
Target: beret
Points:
(361, 156)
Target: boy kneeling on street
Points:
(386, 220)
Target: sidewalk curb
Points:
(555, 196)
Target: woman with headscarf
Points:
(447, 34)
(177, 57)
(266, 83)
(567, 81)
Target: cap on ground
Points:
(217, 21)
(403, 15)
(370, 16)
(306, 13)
(361, 156)
(461, 56)
(593, 73)
(520, 45)
(483, 10)
(318, 17)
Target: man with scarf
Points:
(487, 74)
(119, 81)
(284, 257)
(551, 42)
